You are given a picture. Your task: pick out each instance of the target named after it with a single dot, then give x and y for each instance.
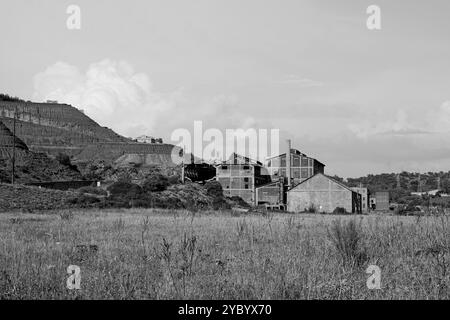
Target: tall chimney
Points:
(288, 163)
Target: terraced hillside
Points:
(54, 128)
(60, 128)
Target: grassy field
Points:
(157, 254)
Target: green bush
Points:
(83, 201)
(63, 159)
(340, 210)
(175, 179)
(125, 189)
(155, 183)
(311, 209)
(214, 189)
(92, 190)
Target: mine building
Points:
(239, 176)
(272, 195)
(381, 201)
(323, 194)
(302, 167)
(365, 195)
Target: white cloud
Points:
(295, 80)
(110, 92)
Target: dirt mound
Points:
(32, 198)
(8, 141)
(102, 170)
(55, 128)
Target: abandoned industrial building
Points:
(302, 167)
(239, 176)
(297, 184)
(320, 193)
(365, 194)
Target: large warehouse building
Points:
(302, 167)
(324, 195)
(239, 176)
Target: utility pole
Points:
(419, 186)
(288, 163)
(14, 147)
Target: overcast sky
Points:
(360, 101)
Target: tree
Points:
(155, 183)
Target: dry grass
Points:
(157, 254)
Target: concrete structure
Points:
(324, 195)
(148, 139)
(239, 176)
(302, 167)
(364, 192)
(272, 194)
(382, 201)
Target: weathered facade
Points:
(271, 194)
(364, 192)
(324, 195)
(302, 167)
(382, 201)
(239, 176)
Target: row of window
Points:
(296, 161)
(235, 167)
(235, 183)
(296, 173)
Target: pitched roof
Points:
(296, 152)
(245, 160)
(329, 178)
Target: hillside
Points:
(403, 183)
(54, 128)
(30, 166)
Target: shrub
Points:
(214, 189)
(240, 202)
(175, 179)
(125, 189)
(124, 177)
(92, 190)
(156, 182)
(347, 239)
(311, 209)
(340, 210)
(83, 200)
(63, 159)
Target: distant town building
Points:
(302, 167)
(239, 176)
(364, 192)
(431, 193)
(324, 194)
(381, 201)
(148, 139)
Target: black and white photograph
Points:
(237, 152)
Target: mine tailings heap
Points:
(60, 128)
(8, 141)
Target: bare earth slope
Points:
(60, 128)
